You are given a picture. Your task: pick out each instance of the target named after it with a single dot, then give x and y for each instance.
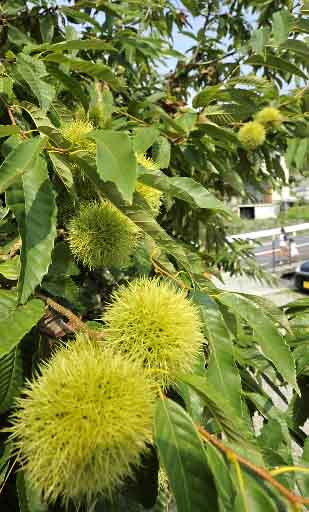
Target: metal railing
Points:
(267, 233)
(274, 234)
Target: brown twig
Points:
(75, 322)
(9, 111)
(262, 473)
(11, 116)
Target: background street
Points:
(264, 253)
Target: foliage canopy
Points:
(90, 116)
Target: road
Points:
(264, 254)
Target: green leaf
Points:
(37, 116)
(222, 372)
(31, 71)
(194, 403)
(11, 7)
(102, 101)
(257, 496)
(161, 152)
(47, 27)
(218, 115)
(78, 16)
(275, 441)
(192, 6)
(5, 462)
(277, 63)
(17, 37)
(186, 121)
(222, 478)
(11, 378)
(116, 161)
(38, 229)
(221, 133)
(144, 139)
(218, 407)
(282, 22)
(273, 311)
(10, 269)
(58, 281)
(28, 499)
(63, 263)
(15, 200)
(75, 44)
(291, 151)
(19, 161)
(96, 70)
(301, 24)
(185, 189)
(8, 300)
(205, 96)
(302, 154)
(73, 85)
(6, 87)
(18, 322)
(303, 478)
(183, 456)
(297, 306)
(62, 169)
(305, 8)
(267, 334)
(63, 287)
(259, 39)
(296, 46)
(6, 130)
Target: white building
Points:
(271, 201)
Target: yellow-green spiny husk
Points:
(147, 162)
(152, 197)
(269, 116)
(83, 424)
(157, 325)
(252, 135)
(76, 133)
(101, 236)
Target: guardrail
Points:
(266, 233)
(273, 234)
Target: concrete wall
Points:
(262, 210)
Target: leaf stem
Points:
(233, 459)
(262, 473)
(289, 469)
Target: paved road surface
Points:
(264, 253)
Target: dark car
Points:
(302, 276)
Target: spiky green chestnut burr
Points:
(157, 325)
(76, 131)
(269, 116)
(147, 162)
(101, 236)
(252, 135)
(152, 197)
(83, 423)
